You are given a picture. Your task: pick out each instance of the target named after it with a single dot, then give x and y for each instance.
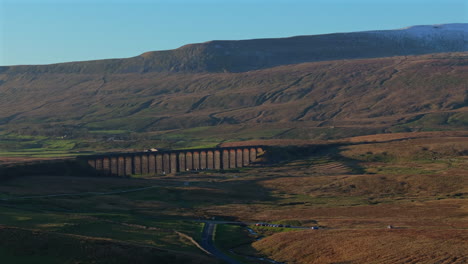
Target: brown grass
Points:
(335, 98)
(375, 186)
(437, 135)
(367, 246)
(400, 136)
(406, 149)
(449, 213)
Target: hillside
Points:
(247, 55)
(417, 91)
(211, 93)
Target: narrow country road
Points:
(207, 244)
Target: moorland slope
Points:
(414, 91)
(307, 87)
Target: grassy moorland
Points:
(352, 190)
(367, 246)
(57, 112)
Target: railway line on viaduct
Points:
(172, 161)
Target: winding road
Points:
(207, 244)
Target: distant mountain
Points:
(247, 55)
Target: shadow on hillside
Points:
(183, 195)
(274, 156)
(67, 167)
(191, 192)
(282, 156)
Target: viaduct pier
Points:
(166, 162)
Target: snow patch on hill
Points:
(438, 36)
(430, 29)
(460, 29)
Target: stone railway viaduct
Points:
(166, 162)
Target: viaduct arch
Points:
(167, 162)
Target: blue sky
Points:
(51, 31)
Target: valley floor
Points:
(351, 191)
